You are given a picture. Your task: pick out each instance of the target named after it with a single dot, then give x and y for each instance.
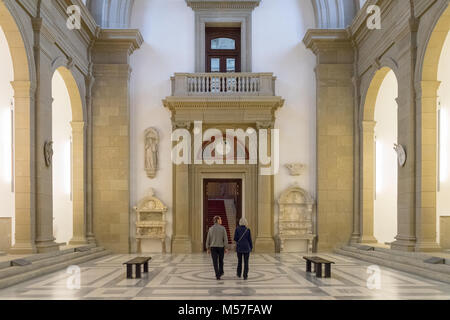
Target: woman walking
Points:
(244, 246)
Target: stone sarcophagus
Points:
(151, 221)
(296, 221)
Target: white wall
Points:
(62, 131)
(385, 206)
(168, 30)
(443, 196)
(6, 96)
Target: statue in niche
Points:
(151, 152)
(48, 153)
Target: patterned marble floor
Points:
(186, 277)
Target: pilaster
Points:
(111, 137)
(335, 134)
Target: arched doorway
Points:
(379, 164)
(22, 85)
(433, 160)
(7, 214)
(69, 165)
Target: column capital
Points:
(121, 42)
(78, 126)
(264, 125)
(427, 88)
(23, 88)
(368, 126)
(325, 39)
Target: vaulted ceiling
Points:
(330, 14)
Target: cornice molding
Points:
(223, 109)
(129, 39)
(223, 4)
(319, 39)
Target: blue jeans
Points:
(246, 256)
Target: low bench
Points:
(318, 262)
(138, 262)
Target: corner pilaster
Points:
(111, 137)
(335, 134)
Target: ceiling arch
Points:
(335, 14)
(111, 14)
(330, 14)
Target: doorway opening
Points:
(222, 197)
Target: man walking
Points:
(216, 243)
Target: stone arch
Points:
(23, 86)
(427, 86)
(334, 14)
(112, 14)
(367, 154)
(79, 145)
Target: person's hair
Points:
(216, 219)
(243, 222)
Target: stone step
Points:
(45, 262)
(413, 255)
(399, 262)
(53, 265)
(414, 258)
(41, 256)
(2, 253)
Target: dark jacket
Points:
(245, 245)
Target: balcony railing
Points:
(217, 84)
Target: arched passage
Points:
(69, 160)
(22, 157)
(6, 146)
(379, 166)
(428, 161)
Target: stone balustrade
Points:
(218, 84)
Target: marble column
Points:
(181, 240)
(78, 186)
(426, 188)
(368, 182)
(25, 231)
(265, 242)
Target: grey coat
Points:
(217, 237)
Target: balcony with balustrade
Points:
(223, 97)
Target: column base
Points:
(91, 239)
(22, 248)
(181, 245)
(78, 242)
(47, 246)
(368, 239)
(356, 238)
(404, 244)
(265, 245)
(428, 247)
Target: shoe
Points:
(245, 278)
(238, 275)
(218, 278)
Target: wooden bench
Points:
(318, 262)
(138, 262)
